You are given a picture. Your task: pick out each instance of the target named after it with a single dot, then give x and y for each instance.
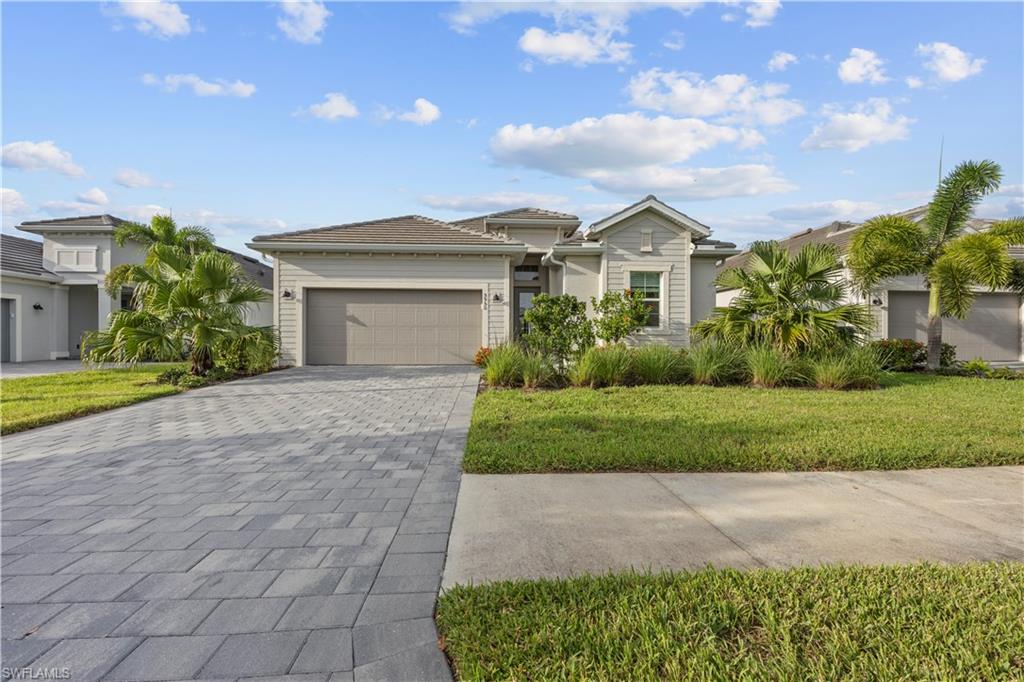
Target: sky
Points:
(757, 119)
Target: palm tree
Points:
(789, 302)
(163, 230)
(183, 304)
(953, 264)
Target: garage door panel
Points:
(991, 331)
(401, 326)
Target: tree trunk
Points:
(934, 327)
(202, 362)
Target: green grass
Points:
(862, 623)
(915, 421)
(28, 402)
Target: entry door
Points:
(524, 301)
(6, 313)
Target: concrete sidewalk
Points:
(555, 525)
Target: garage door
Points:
(991, 331)
(392, 327)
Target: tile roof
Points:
(256, 270)
(103, 220)
(410, 229)
(476, 223)
(23, 256)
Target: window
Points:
(646, 241)
(527, 273)
(649, 284)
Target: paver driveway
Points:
(294, 523)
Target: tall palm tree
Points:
(183, 304)
(786, 301)
(953, 264)
(163, 230)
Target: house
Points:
(52, 291)
(414, 290)
(994, 330)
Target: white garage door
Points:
(992, 330)
(392, 326)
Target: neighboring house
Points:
(52, 291)
(994, 330)
(414, 290)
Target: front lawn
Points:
(28, 402)
(907, 622)
(915, 421)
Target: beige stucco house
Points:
(414, 290)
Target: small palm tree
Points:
(183, 304)
(954, 264)
(787, 302)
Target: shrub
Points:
(538, 371)
(658, 364)
(558, 327)
(947, 356)
(252, 352)
(858, 368)
(716, 363)
(1005, 373)
(769, 367)
(171, 376)
(977, 367)
(619, 314)
(482, 355)
(605, 366)
(505, 366)
(901, 355)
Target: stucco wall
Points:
(702, 288)
(401, 271)
(43, 333)
(582, 278)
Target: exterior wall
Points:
(54, 244)
(131, 252)
(260, 314)
(582, 278)
(297, 272)
(702, 288)
(670, 254)
(537, 239)
(83, 315)
(37, 334)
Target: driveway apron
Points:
(290, 524)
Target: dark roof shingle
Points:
(23, 256)
(410, 229)
(254, 269)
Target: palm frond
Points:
(886, 246)
(983, 258)
(1011, 231)
(956, 197)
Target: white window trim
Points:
(663, 307)
(76, 250)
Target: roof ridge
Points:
(358, 223)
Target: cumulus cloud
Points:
(303, 21)
(577, 47)
(334, 106)
(12, 202)
(695, 184)
(913, 82)
(134, 179)
(781, 61)
(159, 19)
(44, 155)
(862, 66)
(868, 123)
(94, 196)
(762, 12)
(838, 209)
(424, 112)
(173, 82)
(948, 62)
(493, 201)
(730, 96)
(675, 41)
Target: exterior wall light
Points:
(37, 306)
(286, 294)
(876, 301)
(497, 298)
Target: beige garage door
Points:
(991, 331)
(392, 327)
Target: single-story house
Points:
(52, 290)
(415, 290)
(994, 330)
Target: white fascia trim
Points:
(51, 279)
(314, 247)
(47, 229)
(659, 207)
(710, 252)
(594, 249)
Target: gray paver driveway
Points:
(294, 523)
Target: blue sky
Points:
(757, 119)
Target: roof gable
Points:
(650, 203)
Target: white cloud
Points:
(913, 82)
(12, 202)
(173, 82)
(577, 47)
(424, 112)
(66, 208)
(780, 61)
(133, 179)
(675, 41)
(334, 106)
(39, 156)
(493, 201)
(862, 66)
(161, 19)
(762, 12)
(838, 209)
(94, 196)
(303, 21)
(732, 96)
(948, 62)
(616, 140)
(868, 123)
(674, 183)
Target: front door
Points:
(6, 316)
(524, 301)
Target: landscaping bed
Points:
(914, 421)
(902, 622)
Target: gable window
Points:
(649, 284)
(646, 241)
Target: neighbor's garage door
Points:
(991, 331)
(392, 327)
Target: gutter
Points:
(50, 279)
